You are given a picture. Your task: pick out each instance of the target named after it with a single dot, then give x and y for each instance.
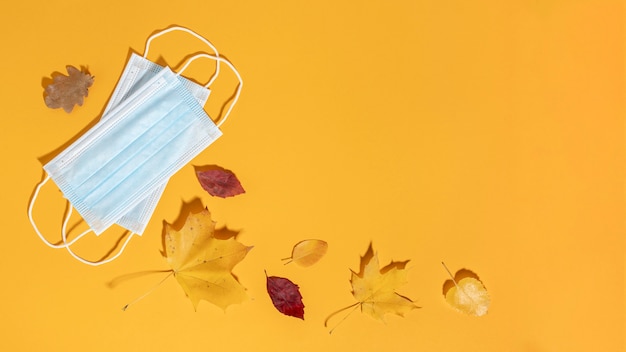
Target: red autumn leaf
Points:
(285, 296)
(220, 183)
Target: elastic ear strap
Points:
(186, 30)
(219, 59)
(66, 244)
(64, 229)
(84, 261)
(32, 220)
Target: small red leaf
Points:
(220, 183)
(285, 296)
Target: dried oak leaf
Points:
(202, 263)
(220, 183)
(67, 91)
(308, 252)
(285, 296)
(375, 288)
(466, 293)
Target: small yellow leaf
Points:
(466, 293)
(308, 252)
(374, 288)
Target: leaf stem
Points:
(118, 280)
(171, 272)
(451, 276)
(460, 289)
(449, 273)
(355, 305)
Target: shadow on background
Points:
(461, 274)
(193, 207)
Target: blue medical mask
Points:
(142, 142)
(137, 72)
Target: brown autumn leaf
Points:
(67, 91)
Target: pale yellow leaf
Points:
(308, 252)
(466, 293)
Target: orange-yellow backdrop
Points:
(487, 134)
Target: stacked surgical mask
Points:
(153, 125)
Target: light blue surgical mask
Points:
(142, 142)
(146, 139)
(137, 72)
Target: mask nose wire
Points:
(198, 36)
(218, 59)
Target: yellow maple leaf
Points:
(375, 288)
(202, 263)
(466, 293)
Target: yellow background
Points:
(487, 134)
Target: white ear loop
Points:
(218, 59)
(32, 221)
(67, 244)
(187, 30)
(84, 261)
(102, 261)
